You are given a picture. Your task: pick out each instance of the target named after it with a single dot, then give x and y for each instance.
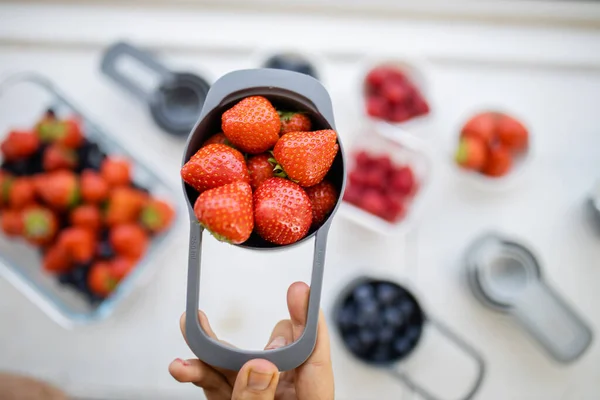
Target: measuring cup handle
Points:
(464, 346)
(118, 51)
(217, 354)
(295, 82)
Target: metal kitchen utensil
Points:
(505, 276)
(288, 90)
(394, 366)
(177, 99)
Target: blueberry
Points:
(354, 344)
(79, 275)
(402, 345)
(368, 307)
(381, 354)
(90, 156)
(18, 167)
(65, 278)
(385, 334)
(387, 293)
(408, 307)
(364, 293)
(291, 62)
(105, 250)
(367, 337)
(393, 316)
(367, 320)
(413, 332)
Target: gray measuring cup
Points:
(290, 90)
(507, 277)
(174, 103)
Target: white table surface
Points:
(549, 75)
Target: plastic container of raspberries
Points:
(75, 249)
(492, 149)
(387, 181)
(394, 91)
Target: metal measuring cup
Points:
(291, 90)
(507, 277)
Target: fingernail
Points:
(182, 362)
(278, 342)
(259, 380)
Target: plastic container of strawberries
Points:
(24, 99)
(402, 151)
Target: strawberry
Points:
(498, 163)
(213, 166)
(59, 189)
(129, 240)
(124, 205)
(12, 222)
(19, 144)
(471, 153)
(323, 197)
(6, 182)
(66, 132)
(403, 181)
(121, 267)
(377, 107)
(116, 171)
(226, 212)
(252, 125)
(57, 156)
(292, 121)
(481, 126)
(87, 216)
(512, 134)
(57, 259)
(218, 138)
(260, 169)
(22, 193)
(157, 215)
(94, 188)
(395, 210)
(79, 242)
(39, 225)
(101, 279)
(282, 211)
(306, 156)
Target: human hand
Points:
(260, 379)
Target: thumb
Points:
(257, 380)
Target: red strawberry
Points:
(101, 279)
(79, 242)
(226, 212)
(213, 166)
(94, 188)
(282, 211)
(498, 163)
(124, 205)
(481, 126)
(218, 138)
(471, 153)
(6, 181)
(59, 189)
(121, 267)
(252, 125)
(129, 240)
(22, 193)
(323, 197)
(19, 144)
(57, 156)
(12, 223)
(66, 132)
(87, 216)
(57, 259)
(306, 156)
(292, 121)
(39, 225)
(260, 169)
(116, 171)
(157, 215)
(512, 134)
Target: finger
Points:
(196, 372)
(257, 380)
(318, 363)
(205, 324)
(281, 336)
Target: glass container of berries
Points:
(80, 214)
(387, 180)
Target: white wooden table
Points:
(551, 75)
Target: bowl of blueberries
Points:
(381, 323)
